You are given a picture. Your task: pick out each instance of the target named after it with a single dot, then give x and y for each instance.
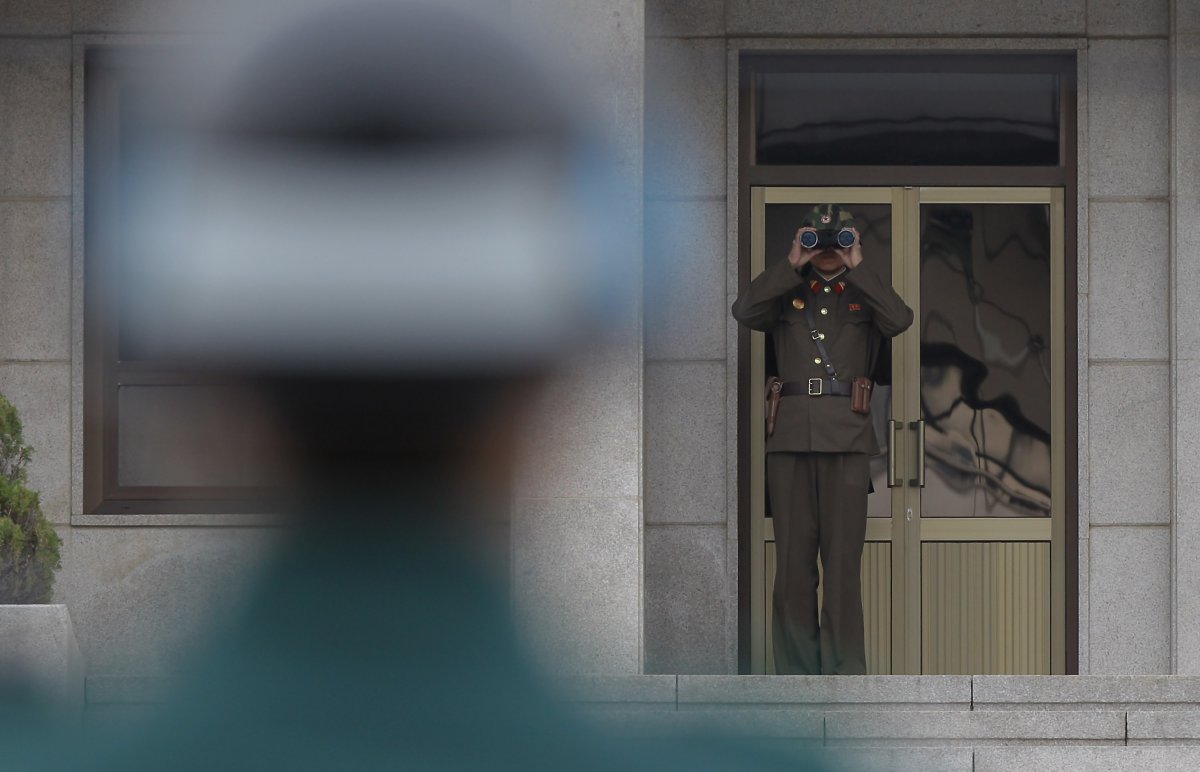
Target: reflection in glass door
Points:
(986, 359)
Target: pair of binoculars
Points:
(829, 237)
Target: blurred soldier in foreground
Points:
(382, 228)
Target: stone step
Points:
(117, 702)
(891, 728)
(984, 692)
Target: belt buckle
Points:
(819, 386)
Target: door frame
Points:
(906, 534)
(747, 57)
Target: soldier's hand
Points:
(852, 255)
(799, 256)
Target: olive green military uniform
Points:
(817, 462)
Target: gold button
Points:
(817, 360)
(828, 288)
(824, 312)
(798, 303)
(820, 336)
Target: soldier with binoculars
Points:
(829, 317)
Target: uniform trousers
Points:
(819, 505)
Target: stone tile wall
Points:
(690, 557)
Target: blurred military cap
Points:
(382, 187)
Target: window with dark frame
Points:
(158, 439)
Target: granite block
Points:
(1165, 727)
(685, 151)
(1057, 759)
(39, 651)
(39, 391)
(1086, 692)
(620, 689)
(1128, 118)
(582, 437)
(157, 15)
(35, 17)
(829, 692)
(577, 582)
(35, 279)
(686, 599)
(1126, 18)
(1187, 17)
(936, 759)
(773, 724)
(966, 727)
(1187, 114)
(1129, 444)
(1187, 575)
(684, 296)
(1187, 268)
(1187, 442)
(685, 442)
(143, 599)
(1130, 625)
(35, 117)
(1129, 282)
(685, 18)
(934, 17)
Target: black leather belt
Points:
(816, 387)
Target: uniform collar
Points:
(817, 284)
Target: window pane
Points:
(907, 118)
(153, 157)
(192, 436)
(985, 359)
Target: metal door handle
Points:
(919, 480)
(891, 453)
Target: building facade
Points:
(630, 528)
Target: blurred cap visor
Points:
(341, 210)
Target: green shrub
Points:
(28, 543)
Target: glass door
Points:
(963, 563)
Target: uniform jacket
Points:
(858, 319)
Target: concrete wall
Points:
(141, 588)
(1139, 445)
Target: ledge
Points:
(620, 689)
(963, 727)
(1076, 757)
(725, 691)
(1102, 692)
(178, 521)
(1164, 727)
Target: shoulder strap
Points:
(817, 338)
